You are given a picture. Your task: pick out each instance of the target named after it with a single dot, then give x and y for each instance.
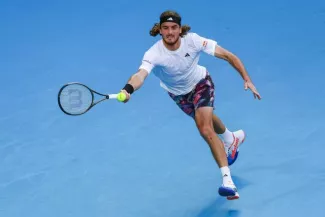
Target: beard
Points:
(171, 42)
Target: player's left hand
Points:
(250, 85)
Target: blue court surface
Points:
(146, 158)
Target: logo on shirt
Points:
(205, 43)
(187, 55)
(147, 61)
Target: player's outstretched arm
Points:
(134, 83)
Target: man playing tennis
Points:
(174, 60)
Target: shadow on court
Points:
(221, 206)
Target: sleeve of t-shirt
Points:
(147, 62)
(204, 44)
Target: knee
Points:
(206, 130)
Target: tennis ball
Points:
(121, 97)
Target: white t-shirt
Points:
(178, 70)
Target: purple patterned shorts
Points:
(202, 95)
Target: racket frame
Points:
(93, 102)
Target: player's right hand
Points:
(128, 96)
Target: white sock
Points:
(226, 177)
(227, 136)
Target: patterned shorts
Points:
(202, 95)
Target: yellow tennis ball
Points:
(121, 97)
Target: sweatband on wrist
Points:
(128, 88)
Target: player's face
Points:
(170, 32)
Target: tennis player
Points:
(174, 60)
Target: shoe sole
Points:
(237, 152)
(244, 137)
(233, 197)
(242, 140)
(226, 192)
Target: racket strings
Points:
(75, 99)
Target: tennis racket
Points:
(76, 99)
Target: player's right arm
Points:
(137, 79)
(134, 82)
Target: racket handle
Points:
(112, 96)
(120, 96)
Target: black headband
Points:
(170, 19)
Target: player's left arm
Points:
(222, 53)
(233, 60)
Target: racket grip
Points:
(112, 96)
